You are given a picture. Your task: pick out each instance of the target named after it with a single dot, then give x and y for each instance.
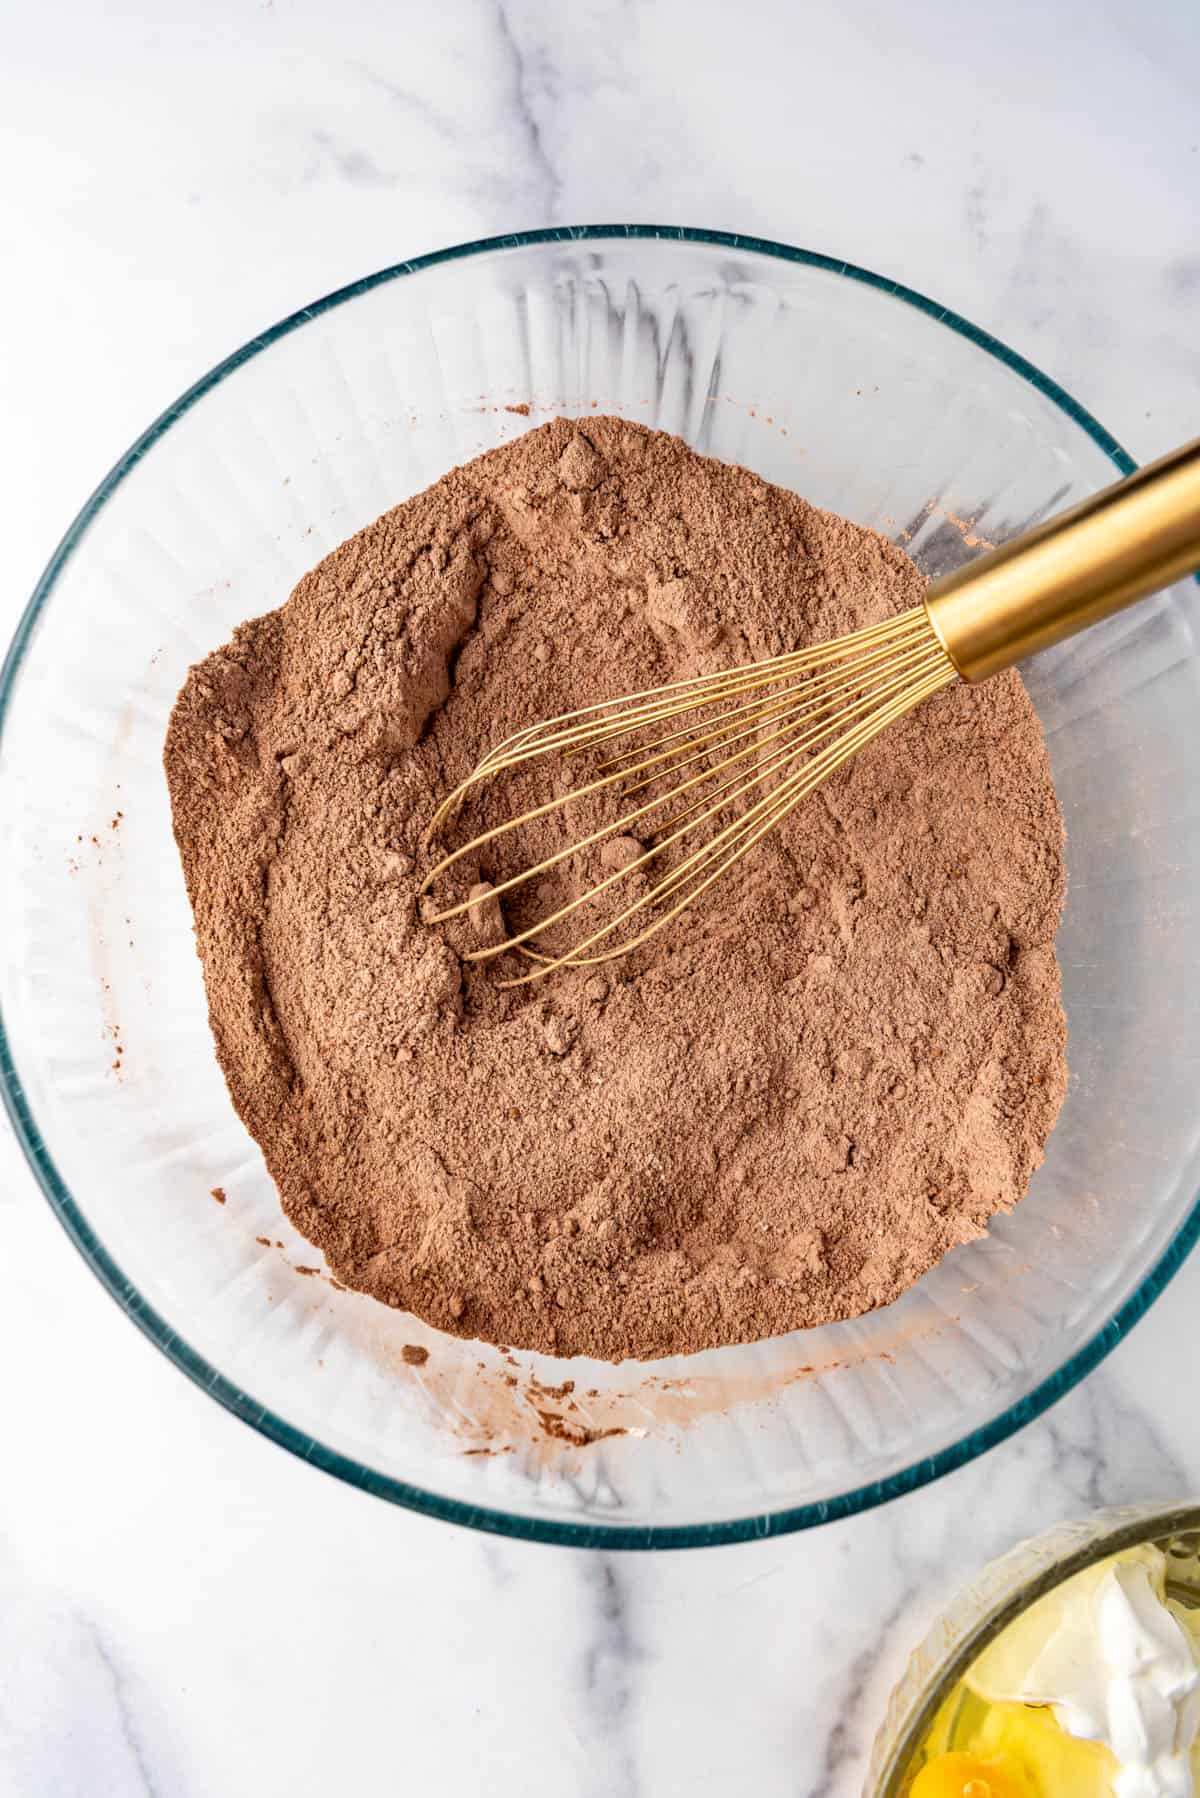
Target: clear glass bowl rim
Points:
(240, 1403)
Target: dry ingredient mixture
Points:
(784, 1108)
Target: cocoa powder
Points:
(780, 1111)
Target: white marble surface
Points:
(185, 1610)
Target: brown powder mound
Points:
(783, 1109)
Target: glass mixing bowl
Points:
(930, 1688)
(865, 398)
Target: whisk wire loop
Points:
(786, 724)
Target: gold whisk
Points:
(710, 789)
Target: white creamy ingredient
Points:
(1131, 1682)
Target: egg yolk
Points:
(966, 1776)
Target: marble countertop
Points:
(184, 1609)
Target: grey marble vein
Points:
(68, 1724)
(419, 107)
(850, 1735)
(498, 1562)
(609, 1682)
(531, 84)
(125, 1718)
(977, 219)
(353, 165)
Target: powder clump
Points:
(781, 1110)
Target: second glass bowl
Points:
(1004, 1591)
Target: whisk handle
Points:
(1121, 544)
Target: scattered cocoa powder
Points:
(784, 1108)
